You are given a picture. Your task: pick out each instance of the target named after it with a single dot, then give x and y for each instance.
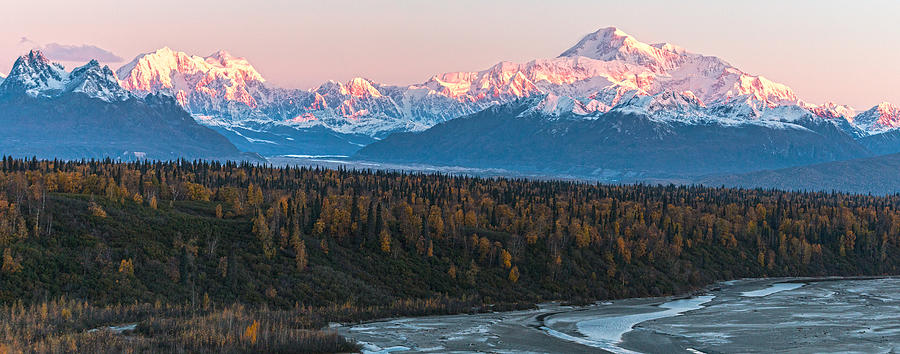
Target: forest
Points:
(245, 250)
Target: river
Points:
(748, 316)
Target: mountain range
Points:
(632, 142)
(680, 117)
(610, 107)
(599, 72)
(48, 112)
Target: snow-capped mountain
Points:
(831, 110)
(604, 69)
(96, 82)
(667, 136)
(880, 128)
(614, 108)
(609, 64)
(48, 112)
(229, 95)
(610, 44)
(883, 118)
(711, 79)
(198, 83)
(34, 75)
(618, 107)
(593, 76)
(880, 118)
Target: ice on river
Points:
(774, 288)
(610, 329)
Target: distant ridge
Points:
(875, 175)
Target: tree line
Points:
(411, 235)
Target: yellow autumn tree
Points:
(514, 274)
(10, 265)
(254, 195)
(126, 267)
(251, 332)
(505, 259)
(385, 238)
(263, 234)
(96, 210)
(300, 254)
(435, 222)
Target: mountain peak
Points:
(97, 82)
(34, 74)
(224, 59)
(37, 60)
(599, 43)
(889, 114)
(669, 47)
(611, 43)
(831, 110)
(886, 108)
(610, 32)
(667, 102)
(220, 75)
(357, 87)
(885, 116)
(221, 54)
(360, 87)
(35, 56)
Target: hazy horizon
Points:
(818, 48)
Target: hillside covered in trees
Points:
(202, 235)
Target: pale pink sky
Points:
(848, 52)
